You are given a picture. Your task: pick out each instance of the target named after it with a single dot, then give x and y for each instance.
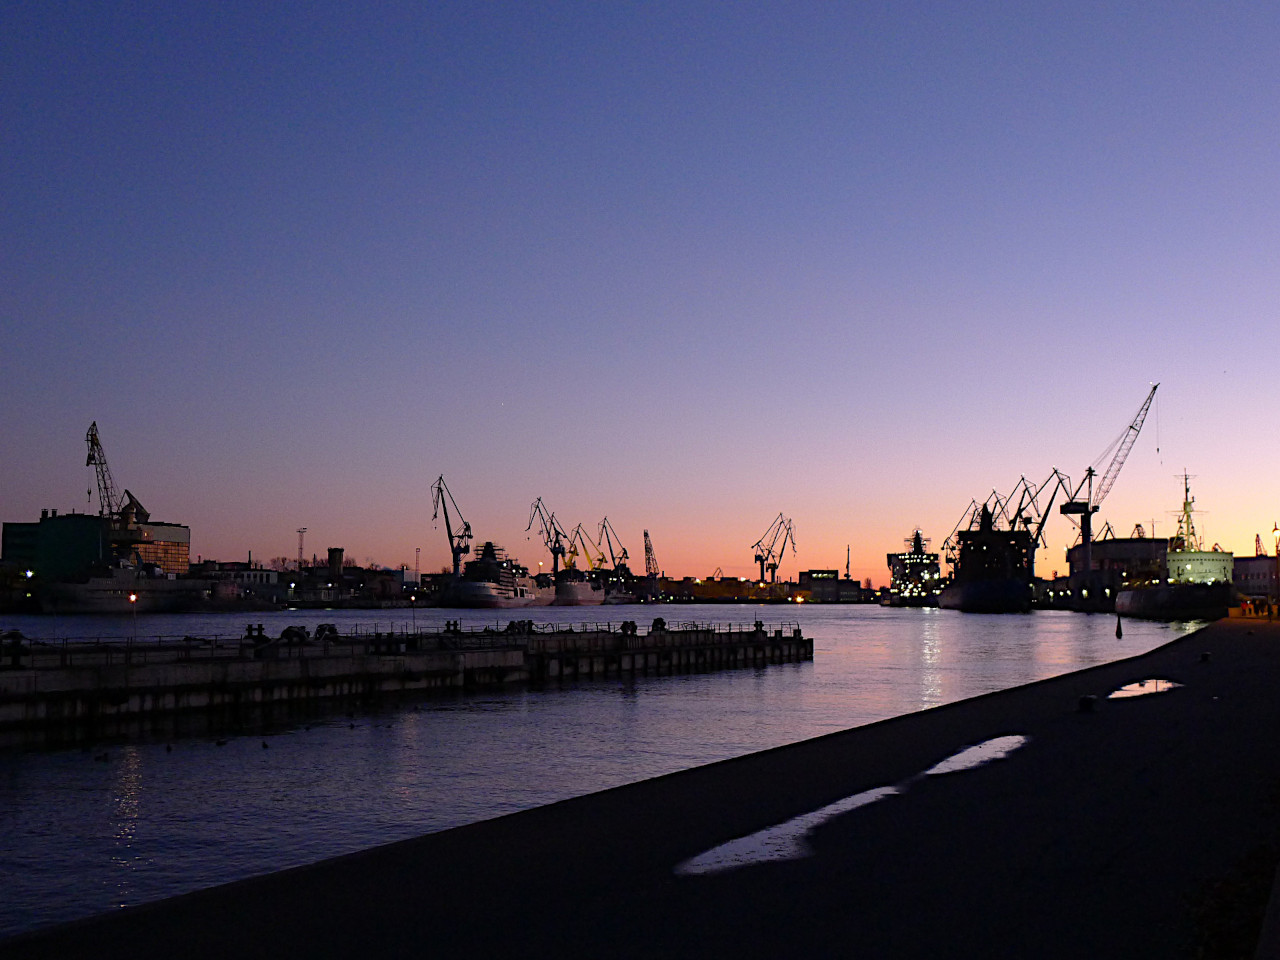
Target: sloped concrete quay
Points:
(1109, 828)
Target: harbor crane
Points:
(553, 534)
(581, 545)
(123, 510)
(618, 556)
(1085, 508)
(1027, 507)
(460, 542)
(108, 496)
(650, 560)
(772, 547)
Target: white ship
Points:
(494, 581)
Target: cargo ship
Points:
(494, 581)
(915, 577)
(991, 568)
(1197, 583)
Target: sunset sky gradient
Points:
(685, 265)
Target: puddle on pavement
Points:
(1142, 688)
(976, 756)
(784, 841)
(789, 840)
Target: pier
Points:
(75, 683)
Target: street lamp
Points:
(413, 610)
(133, 606)
(1275, 581)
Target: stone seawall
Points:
(44, 686)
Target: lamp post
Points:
(1275, 580)
(133, 606)
(413, 611)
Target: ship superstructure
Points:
(915, 575)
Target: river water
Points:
(89, 830)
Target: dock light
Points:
(30, 574)
(133, 598)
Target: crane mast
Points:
(460, 542)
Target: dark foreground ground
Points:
(1145, 827)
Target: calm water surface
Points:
(156, 817)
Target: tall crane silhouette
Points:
(108, 495)
(650, 561)
(772, 547)
(553, 534)
(460, 542)
(608, 539)
(1085, 508)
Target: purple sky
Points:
(685, 265)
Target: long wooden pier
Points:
(69, 683)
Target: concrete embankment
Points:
(68, 685)
(1120, 828)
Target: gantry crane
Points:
(460, 542)
(770, 549)
(1085, 508)
(618, 556)
(553, 534)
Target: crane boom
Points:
(1122, 452)
(108, 495)
(650, 559)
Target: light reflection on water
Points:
(83, 836)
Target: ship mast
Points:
(1186, 526)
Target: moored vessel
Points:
(123, 588)
(915, 577)
(1196, 584)
(494, 581)
(991, 567)
(578, 588)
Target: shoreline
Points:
(1090, 840)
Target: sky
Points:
(684, 265)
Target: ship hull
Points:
(912, 601)
(480, 595)
(987, 596)
(111, 595)
(1176, 601)
(578, 593)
